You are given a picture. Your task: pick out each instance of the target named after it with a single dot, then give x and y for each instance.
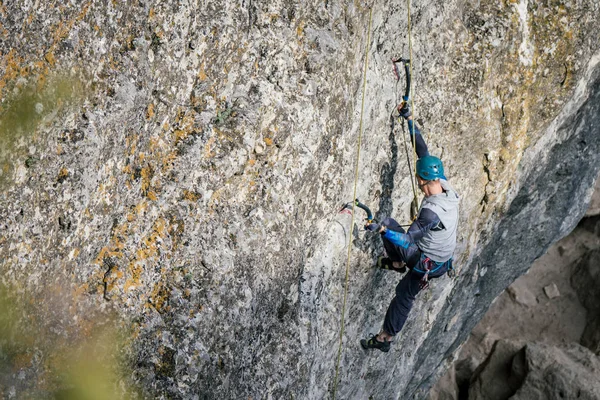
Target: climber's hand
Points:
(404, 110)
(372, 227)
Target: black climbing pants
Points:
(410, 284)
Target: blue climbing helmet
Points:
(430, 168)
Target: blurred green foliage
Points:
(37, 362)
(26, 107)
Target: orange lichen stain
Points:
(146, 175)
(11, 66)
(160, 226)
(300, 29)
(202, 73)
(268, 141)
(62, 31)
(151, 195)
(151, 13)
(63, 174)
(150, 111)
(107, 252)
(127, 169)
(252, 162)
(168, 161)
(134, 270)
(141, 207)
(116, 246)
(191, 196)
(179, 135)
(75, 253)
(119, 233)
(159, 296)
(207, 148)
(150, 242)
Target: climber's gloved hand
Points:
(404, 109)
(372, 227)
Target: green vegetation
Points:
(84, 362)
(22, 112)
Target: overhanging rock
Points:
(190, 179)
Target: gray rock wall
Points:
(554, 303)
(537, 371)
(190, 178)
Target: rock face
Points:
(501, 374)
(586, 280)
(558, 322)
(537, 371)
(182, 165)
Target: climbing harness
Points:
(360, 131)
(432, 267)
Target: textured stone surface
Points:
(594, 208)
(586, 280)
(191, 183)
(568, 265)
(537, 371)
(522, 294)
(498, 376)
(570, 372)
(551, 291)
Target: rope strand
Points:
(360, 130)
(412, 105)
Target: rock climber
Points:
(428, 245)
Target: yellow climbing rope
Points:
(412, 105)
(360, 130)
(414, 178)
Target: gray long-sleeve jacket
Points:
(434, 230)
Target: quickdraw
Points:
(427, 262)
(425, 279)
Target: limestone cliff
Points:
(182, 165)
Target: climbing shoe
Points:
(373, 343)
(386, 263)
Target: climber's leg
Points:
(401, 304)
